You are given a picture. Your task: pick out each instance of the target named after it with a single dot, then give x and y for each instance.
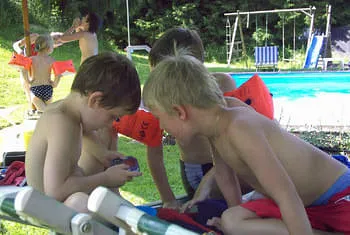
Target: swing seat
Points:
(266, 56)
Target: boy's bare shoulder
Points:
(57, 116)
(245, 120)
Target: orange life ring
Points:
(141, 126)
(255, 93)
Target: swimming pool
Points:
(295, 85)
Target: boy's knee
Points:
(78, 201)
(229, 220)
(232, 218)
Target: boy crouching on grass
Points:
(304, 187)
(106, 87)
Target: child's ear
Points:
(94, 99)
(181, 111)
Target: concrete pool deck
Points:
(326, 112)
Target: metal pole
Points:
(128, 23)
(268, 11)
(328, 26)
(283, 37)
(244, 51)
(232, 41)
(266, 22)
(312, 9)
(294, 42)
(26, 27)
(327, 51)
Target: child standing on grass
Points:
(41, 85)
(304, 187)
(106, 87)
(85, 31)
(23, 74)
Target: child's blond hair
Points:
(43, 42)
(181, 80)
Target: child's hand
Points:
(216, 222)
(188, 205)
(118, 175)
(107, 159)
(76, 22)
(176, 205)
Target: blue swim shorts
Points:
(340, 184)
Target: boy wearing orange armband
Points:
(17, 46)
(41, 85)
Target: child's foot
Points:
(32, 114)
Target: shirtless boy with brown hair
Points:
(85, 31)
(303, 185)
(106, 87)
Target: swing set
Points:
(269, 54)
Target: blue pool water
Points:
(294, 85)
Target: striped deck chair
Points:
(266, 56)
(131, 220)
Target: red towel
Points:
(333, 217)
(15, 174)
(183, 219)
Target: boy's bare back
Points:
(41, 70)
(257, 148)
(58, 133)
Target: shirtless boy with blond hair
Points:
(294, 176)
(41, 85)
(106, 87)
(85, 31)
(196, 156)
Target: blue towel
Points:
(342, 159)
(148, 210)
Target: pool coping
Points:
(309, 128)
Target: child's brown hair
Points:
(173, 39)
(112, 74)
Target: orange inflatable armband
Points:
(141, 126)
(255, 93)
(63, 67)
(20, 61)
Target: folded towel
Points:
(15, 174)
